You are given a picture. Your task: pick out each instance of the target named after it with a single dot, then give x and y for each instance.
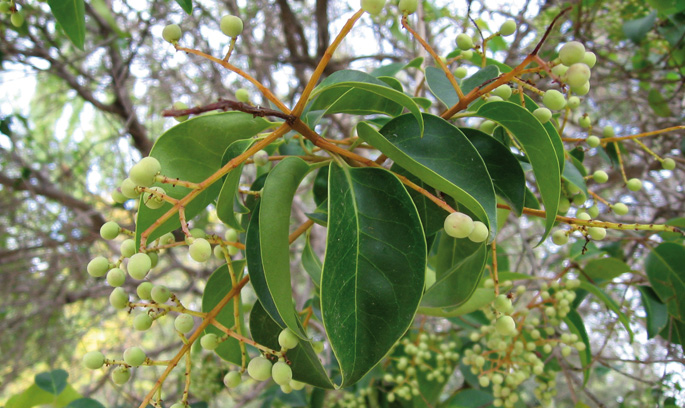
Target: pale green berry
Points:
(589, 59)
(209, 341)
(583, 216)
(154, 201)
(505, 326)
(93, 360)
(593, 211)
(577, 74)
(121, 375)
(287, 339)
(139, 265)
(200, 250)
(260, 158)
(154, 258)
(232, 251)
(467, 55)
(634, 184)
(559, 237)
(464, 41)
(142, 322)
(231, 235)
(484, 381)
(487, 126)
(232, 379)
(98, 267)
(503, 91)
(461, 72)
(582, 89)
(286, 388)
(219, 253)
(180, 106)
(134, 356)
(259, 369)
(608, 131)
(597, 233)
(117, 196)
(197, 233)
(281, 373)
(571, 53)
(408, 7)
(143, 173)
(128, 189)
(232, 26)
(554, 99)
(184, 323)
(480, 232)
(600, 176)
(508, 28)
(458, 225)
(118, 298)
(109, 230)
(296, 385)
(585, 122)
(566, 351)
(620, 209)
(172, 33)
(17, 19)
(116, 277)
(144, 290)
(502, 303)
(668, 164)
(318, 347)
(242, 95)
(592, 141)
(127, 248)
(160, 293)
(559, 70)
(573, 102)
(373, 7)
(179, 405)
(543, 115)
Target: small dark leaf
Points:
(53, 381)
(186, 5)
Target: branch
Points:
(227, 104)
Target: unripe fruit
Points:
(98, 267)
(502, 303)
(287, 339)
(559, 70)
(139, 265)
(242, 95)
(142, 322)
(597, 233)
(154, 258)
(128, 189)
(143, 290)
(592, 141)
(117, 196)
(180, 106)
(634, 184)
(109, 230)
(184, 323)
(600, 176)
(167, 239)
(572, 52)
(160, 293)
(503, 91)
(582, 89)
(259, 369)
(296, 385)
(282, 373)
(408, 6)
(543, 114)
(620, 209)
(480, 232)
(128, 248)
(121, 375)
(209, 341)
(172, 33)
(593, 211)
(179, 405)
(231, 235)
(583, 216)
(464, 42)
(17, 19)
(458, 225)
(577, 74)
(200, 250)
(143, 173)
(197, 233)
(554, 99)
(232, 379)
(134, 356)
(232, 26)
(318, 347)
(461, 72)
(116, 277)
(373, 7)
(260, 158)
(608, 131)
(589, 59)
(668, 164)
(487, 126)
(508, 28)
(154, 201)
(484, 381)
(505, 326)
(93, 360)
(573, 102)
(118, 298)
(585, 122)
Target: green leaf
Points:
(610, 303)
(218, 286)
(192, 151)
(443, 158)
(539, 149)
(576, 325)
(503, 167)
(470, 398)
(658, 103)
(573, 176)
(71, 15)
(273, 287)
(481, 298)
(186, 5)
(432, 216)
(395, 67)
(441, 87)
(664, 267)
(53, 381)
(305, 363)
(656, 311)
(311, 262)
(458, 267)
(85, 403)
(484, 75)
(35, 396)
(227, 196)
(605, 268)
(374, 268)
(637, 29)
(667, 7)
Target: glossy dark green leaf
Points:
(664, 267)
(503, 167)
(573, 176)
(441, 87)
(656, 311)
(53, 381)
(432, 216)
(71, 15)
(225, 203)
(483, 76)
(305, 363)
(443, 158)
(85, 403)
(218, 286)
(36, 396)
(320, 188)
(539, 149)
(470, 398)
(186, 5)
(576, 325)
(549, 126)
(605, 268)
(610, 303)
(311, 262)
(374, 268)
(459, 266)
(192, 151)
(393, 68)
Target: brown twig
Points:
(227, 104)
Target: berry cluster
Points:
(460, 225)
